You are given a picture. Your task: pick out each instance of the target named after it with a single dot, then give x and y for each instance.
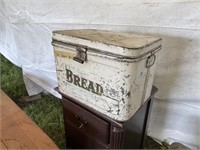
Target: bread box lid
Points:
(118, 43)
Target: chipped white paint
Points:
(114, 79)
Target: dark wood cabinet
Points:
(87, 128)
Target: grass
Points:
(11, 79)
(46, 112)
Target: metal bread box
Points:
(111, 72)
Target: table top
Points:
(18, 131)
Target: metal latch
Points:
(150, 60)
(81, 55)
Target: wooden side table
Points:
(87, 128)
(18, 131)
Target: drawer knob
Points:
(82, 121)
(81, 126)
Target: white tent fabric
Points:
(25, 38)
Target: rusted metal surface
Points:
(119, 39)
(113, 79)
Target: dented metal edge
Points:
(104, 54)
(126, 58)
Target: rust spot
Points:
(64, 54)
(128, 107)
(118, 110)
(127, 76)
(122, 90)
(123, 100)
(109, 110)
(128, 94)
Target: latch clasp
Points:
(81, 55)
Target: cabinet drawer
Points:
(87, 123)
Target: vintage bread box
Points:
(111, 72)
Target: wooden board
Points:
(18, 131)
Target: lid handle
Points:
(150, 60)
